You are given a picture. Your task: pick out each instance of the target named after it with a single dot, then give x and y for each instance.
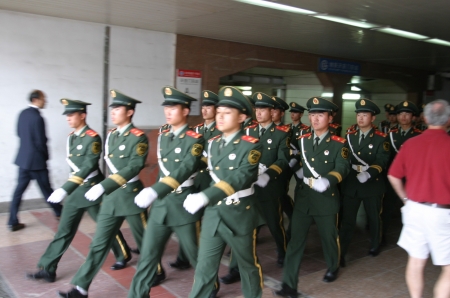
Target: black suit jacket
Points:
(33, 152)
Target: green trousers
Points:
(107, 227)
(301, 223)
(272, 213)
(372, 206)
(210, 253)
(67, 228)
(154, 243)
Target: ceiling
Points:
(239, 22)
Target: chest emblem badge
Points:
(326, 152)
(177, 150)
(232, 156)
(269, 141)
(79, 147)
(122, 147)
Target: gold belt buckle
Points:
(359, 168)
(310, 182)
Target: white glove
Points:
(195, 202)
(261, 169)
(95, 192)
(293, 162)
(363, 177)
(321, 184)
(57, 196)
(299, 173)
(263, 179)
(146, 197)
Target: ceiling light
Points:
(352, 96)
(401, 33)
(327, 94)
(354, 88)
(346, 21)
(246, 88)
(278, 6)
(438, 41)
(248, 93)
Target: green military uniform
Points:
(369, 153)
(396, 137)
(179, 154)
(125, 155)
(335, 129)
(328, 160)
(231, 216)
(385, 124)
(83, 152)
(274, 160)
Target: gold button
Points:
(78, 154)
(230, 168)
(217, 168)
(136, 189)
(326, 161)
(332, 194)
(177, 160)
(164, 159)
(111, 155)
(93, 183)
(268, 148)
(201, 171)
(121, 156)
(359, 153)
(70, 155)
(248, 207)
(312, 159)
(219, 203)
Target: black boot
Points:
(287, 291)
(43, 274)
(232, 277)
(159, 277)
(180, 264)
(74, 293)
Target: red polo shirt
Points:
(425, 163)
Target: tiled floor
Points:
(364, 276)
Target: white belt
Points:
(360, 168)
(91, 175)
(309, 181)
(234, 198)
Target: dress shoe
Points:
(280, 261)
(287, 291)
(135, 251)
(120, 264)
(159, 278)
(43, 274)
(374, 252)
(16, 227)
(74, 293)
(330, 276)
(232, 277)
(180, 265)
(215, 291)
(342, 262)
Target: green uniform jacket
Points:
(374, 151)
(329, 160)
(181, 158)
(275, 156)
(127, 153)
(84, 153)
(237, 169)
(396, 140)
(335, 129)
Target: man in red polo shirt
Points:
(426, 198)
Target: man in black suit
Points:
(32, 157)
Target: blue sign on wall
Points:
(339, 66)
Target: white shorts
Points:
(426, 230)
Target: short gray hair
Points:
(437, 112)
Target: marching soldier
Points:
(231, 216)
(335, 128)
(369, 157)
(179, 152)
(396, 137)
(83, 149)
(250, 120)
(209, 130)
(325, 163)
(296, 117)
(279, 110)
(126, 150)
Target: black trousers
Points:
(25, 176)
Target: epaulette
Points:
(250, 139)
(381, 134)
(338, 139)
(351, 127)
(113, 129)
(213, 138)
(137, 132)
(252, 126)
(254, 121)
(350, 132)
(198, 125)
(91, 133)
(417, 130)
(164, 131)
(305, 135)
(304, 126)
(393, 130)
(334, 125)
(193, 134)
(284, 128)
(71, 133)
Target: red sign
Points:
(189, 73)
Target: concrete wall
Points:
(64, 58)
